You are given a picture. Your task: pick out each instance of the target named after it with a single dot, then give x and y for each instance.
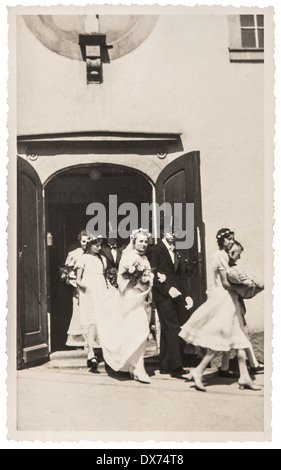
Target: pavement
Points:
(62, 396)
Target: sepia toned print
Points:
(140, 170)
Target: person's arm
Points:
(70, 260)
(185, 286)
(79, 281)
(162, 281)
(123, 283)
(224, 280)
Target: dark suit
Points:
(172, 312)
(110, 263)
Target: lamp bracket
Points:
(94, 52)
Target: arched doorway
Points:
(67, 196)
(59, 209)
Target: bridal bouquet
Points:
(138, 273)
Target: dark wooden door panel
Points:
(32, 299)
(180, 182)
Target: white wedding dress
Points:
(218, 324)
(123, 327)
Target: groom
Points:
(171, 296)
(113, 253)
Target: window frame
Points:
(238, 53)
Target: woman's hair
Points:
(222, 234)
(87, 249)
(92, 241)
(82, 233)
(143, 232)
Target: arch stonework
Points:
(94, 164)
(60, 33)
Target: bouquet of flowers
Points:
(69, 274)
(111, 276)
(138, 273)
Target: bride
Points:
(124, 327)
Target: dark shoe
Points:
(99, 355)
(179, 373)
(92, 364)
(257, 370)
(228, 374)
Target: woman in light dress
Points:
(75, 333)
(124, 325)
(218, 324)
(92, 291)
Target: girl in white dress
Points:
(218, 324)
(75, 333)
(92, 293)
(124, 325)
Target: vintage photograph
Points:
(141, 146)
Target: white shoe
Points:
(198, 382)
(140, 376)
(143, 378)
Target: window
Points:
(246, 38)
(252, 31)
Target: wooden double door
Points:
(179, 182)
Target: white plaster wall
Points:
(179, 80)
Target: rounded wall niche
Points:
(60, 33)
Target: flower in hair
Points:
(223, 234)
(142, 231)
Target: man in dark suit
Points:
(172, 300)
(113, 254)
